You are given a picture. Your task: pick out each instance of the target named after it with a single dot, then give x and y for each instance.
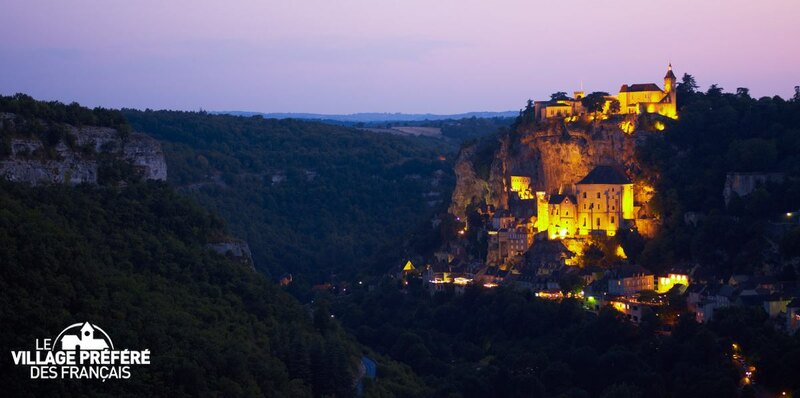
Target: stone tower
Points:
(669, 84)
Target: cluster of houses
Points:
(631, 289)
(599, 204)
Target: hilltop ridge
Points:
(51, 142)
(368, 117)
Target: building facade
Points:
(633, 99)
(602, 201)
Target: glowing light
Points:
(461, 281)
(621, 252)
(522, 186)
(659, 125)
(627, 202)
(627, 126)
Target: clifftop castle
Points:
(633, 99)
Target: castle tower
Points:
(542, 211)
(669, 83)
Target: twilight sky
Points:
(345, 56)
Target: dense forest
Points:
(506, 343)
(454, 131)
(310, 198)
(719, 133)
(135, 262)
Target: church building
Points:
(601, 203)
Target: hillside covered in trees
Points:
(133, 256)
(719, 133)
(135, 261)
(311, 198)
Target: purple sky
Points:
(343, 56)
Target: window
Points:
(612, 219)
(598, 195)
(598, 222)
(584, 195)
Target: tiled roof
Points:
(605, 175)
(639, 87)
(558, 198)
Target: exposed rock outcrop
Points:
(553, 155)
(31, 161)
(237, 249)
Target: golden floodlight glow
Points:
(621, 252)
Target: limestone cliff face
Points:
(30, 161)
(553, 155)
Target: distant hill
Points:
(372, 117)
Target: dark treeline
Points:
(74, 114)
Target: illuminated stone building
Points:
(521, 185)
(633, 99)
(666, 282)
(602, 201)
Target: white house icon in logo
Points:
(84, 341)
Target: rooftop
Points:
(605, 175)
(639, 87)
(558, 198)
(630, 270)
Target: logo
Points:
(80, 351)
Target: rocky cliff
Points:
(76, 158)
(236, 249)
(553, 154)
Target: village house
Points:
(629, 279)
